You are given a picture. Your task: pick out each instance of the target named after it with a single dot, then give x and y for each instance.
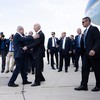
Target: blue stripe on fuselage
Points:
(90, 4)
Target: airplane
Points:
(93, 11)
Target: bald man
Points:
(19, 56)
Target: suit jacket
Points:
(81, 43)
(49, 46)
(72, 44)
(38, 46)
(67, 45)
(92, 41)
(19, 44)
(5, 44)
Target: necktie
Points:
(85, 33)
(55, 42)
(79, 39)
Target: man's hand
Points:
(36, 36)
(74, 51)
(70, 52)
(92, 53)
(25, 48)
(49, 51)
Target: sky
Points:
(53, 15)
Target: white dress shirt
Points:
(63, 44)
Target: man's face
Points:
(79, 31)
(85, 23)
(63, 34)
(53, 35)
(36, 29)
(21, 30)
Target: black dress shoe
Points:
(53, 68)
(42, 80)
(59, 70)
(76, 70)
(81, 88)
(12, 71)
(27, 82)
(12, 85)
(95, 89)
(66, 71)
(7, 71)
(35, 84)
(2, 71)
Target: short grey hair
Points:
(37, 25)
(19, 28)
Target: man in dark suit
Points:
(72, 55)
(38, 55)
(19, 56)
(53, 49)
(78, 48)
(3, 50)
(29, 62)
(64, 50)
(91, 56)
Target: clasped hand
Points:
(25, 48)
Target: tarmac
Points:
(58, 86)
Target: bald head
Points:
(63, 34)
(79, 31)
(30, 33)
(37, 27)
(20, 29)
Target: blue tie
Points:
(85, 33)
(79, 40)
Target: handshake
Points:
(36, 36)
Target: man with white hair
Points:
(19, 56)
(38, 54)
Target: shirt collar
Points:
(88, 27)
(20, 34)
(38, 31)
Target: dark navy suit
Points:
(38, 54)
(72, 55)
(53, 50)
(79, 50)
(19, 56)
(64, 53)
(92, 42)
(3, 51)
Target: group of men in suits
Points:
(6, 51)
(38, 52)
(63, 46)
(86, 45)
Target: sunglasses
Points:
(83, 22)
